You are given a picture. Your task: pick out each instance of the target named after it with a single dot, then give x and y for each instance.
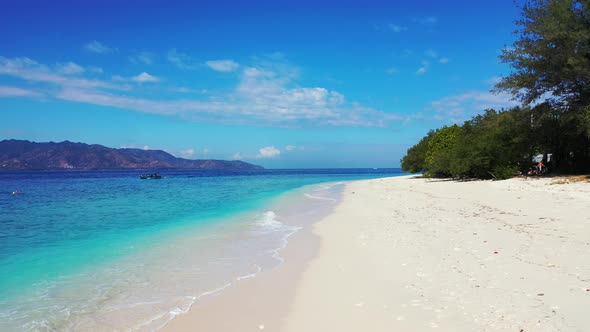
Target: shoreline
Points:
(261, 302)
(288, 205)
(255, 304)
(414, 254)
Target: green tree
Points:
(551, 61)
(438, 154)
(493, 145)
(415, 159)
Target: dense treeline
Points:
(550, 64)
(492, 145)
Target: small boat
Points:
(150, 176)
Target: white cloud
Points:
(70, 68)
(397, 28)
(261, 97)
(133, 146)
(183, 89)
(223, 65)
(30, 70)
(392, 71)
(95, 97)
(11, 91)
(96, 47)
(428, 20)
(252, 72)
(434, 55)
(265, 95)
(291, 148)
(96, 70)
(146, 58)
(145, 78)
(431, 54)
(268, 152)
(237, 156)
(182, 61)
(493, 80)
(188, 153)
(432, 58)
(425, 67)
(463, 106)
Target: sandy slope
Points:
(408, 254)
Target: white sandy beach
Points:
(410, 254)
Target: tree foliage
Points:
(415, 159)
(491, 145)
(552, 53)
(439, 152)
(551, 62)
(494, 145)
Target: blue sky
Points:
(283, 85)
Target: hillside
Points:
(26, 155)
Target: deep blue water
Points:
(62, 222)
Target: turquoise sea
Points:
(104, 250)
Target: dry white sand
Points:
(409, 254)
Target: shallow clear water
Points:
(103, 250)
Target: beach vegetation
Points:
(415, 159)
(550, 62)
(496, 144)
(440, 147)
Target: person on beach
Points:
(540, 167)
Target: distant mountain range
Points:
(26, 155)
